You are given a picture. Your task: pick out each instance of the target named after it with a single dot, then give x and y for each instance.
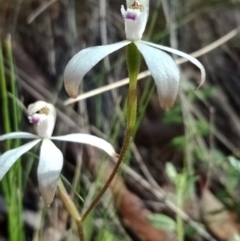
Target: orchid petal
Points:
(164, 71)
(49, 169)
(88, 139)
(18, 135)
(83, 61)
(8, 158)
(184, 55)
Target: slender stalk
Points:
(10, 63)
(70, 206)
(133, 63)
(111, 177)
(180, 225)
(3, 88)
(180, 230)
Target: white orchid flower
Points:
(43, 115)
(162, 67)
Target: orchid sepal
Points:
(165, 73)
(83, 61)
(88, 139)
(49, 169)
(8, 158)
(18, 135)
(184, 55)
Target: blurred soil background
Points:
(180, 180)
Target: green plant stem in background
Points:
(71, 208)
(7, 129)
(4, 98)
(179, 190)
(13, 179)
(133, 63)
(13, 84)
(16, 172)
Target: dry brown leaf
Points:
(217, 218)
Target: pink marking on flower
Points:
(34, 119)
(131, 16)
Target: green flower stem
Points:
(70, 206)
(133, 63)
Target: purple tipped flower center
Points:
(34, 119)
(131, 16)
